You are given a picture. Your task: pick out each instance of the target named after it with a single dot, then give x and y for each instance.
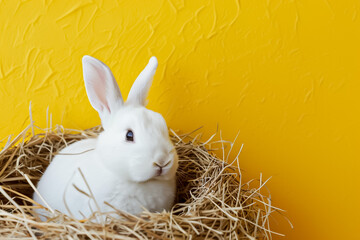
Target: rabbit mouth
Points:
(162, 174)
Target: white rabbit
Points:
(131, 165)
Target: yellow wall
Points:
(284, 73)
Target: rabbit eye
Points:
(130, 136)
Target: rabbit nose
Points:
(161, 164)
(159, 170)
(156, 164)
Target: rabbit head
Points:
(135, 143)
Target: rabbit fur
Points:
(130, 166)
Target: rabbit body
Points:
(130, 166)
(155, 195)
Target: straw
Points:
(212, 200)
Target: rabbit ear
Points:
(141, 86)
(101, 87)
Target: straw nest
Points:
(212, 201)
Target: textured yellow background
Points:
(284, 73)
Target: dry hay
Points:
(212, 202)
